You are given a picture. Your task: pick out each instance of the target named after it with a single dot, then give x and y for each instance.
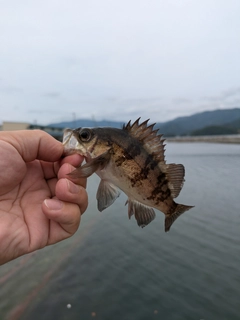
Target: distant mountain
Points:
(229, 118)
(214, 130)
(226, 129)
(186, 125)
(234, 124)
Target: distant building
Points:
(57, 133)
(12, 126)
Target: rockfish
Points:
(130, 159)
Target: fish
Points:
(132, 160)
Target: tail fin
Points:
(170, 218)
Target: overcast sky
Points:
(117, 60)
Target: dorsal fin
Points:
(152, 142)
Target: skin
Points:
(39, 205)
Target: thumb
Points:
(64, 219)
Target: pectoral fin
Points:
(107, 193)
(143, 214)
(92, 166)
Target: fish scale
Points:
(130, 159)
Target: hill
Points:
(186, 125)
(234, 124)
(214, 131)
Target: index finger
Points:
(34, 144)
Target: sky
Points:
(117, 60)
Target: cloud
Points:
(232, 92)
(181, 101)
(225, 96)
(52, 94)
(8, 89)
(118, 59)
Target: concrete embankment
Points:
(210, 139)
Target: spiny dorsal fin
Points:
(152, 142)
(175, 175)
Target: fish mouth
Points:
(67, 135)
(70, 142)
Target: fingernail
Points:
(73, 188)
(53, 204)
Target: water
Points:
(112, 269)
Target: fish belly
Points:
(136, 188)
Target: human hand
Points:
(39, 206)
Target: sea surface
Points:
(112, 269)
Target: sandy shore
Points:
(211, 139)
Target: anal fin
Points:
(107, 193)
(143, 214)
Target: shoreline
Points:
(233, 139)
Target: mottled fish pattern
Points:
(132, 160)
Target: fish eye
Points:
(85, 135)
